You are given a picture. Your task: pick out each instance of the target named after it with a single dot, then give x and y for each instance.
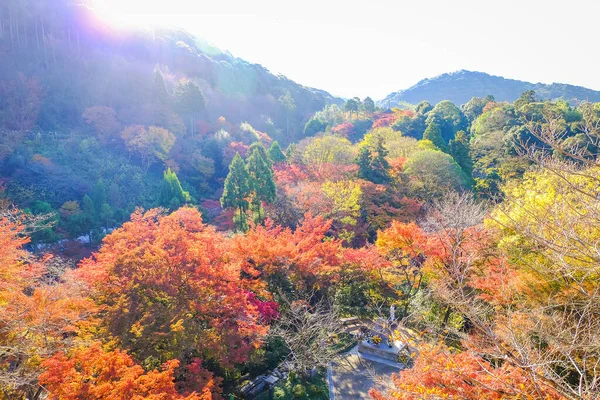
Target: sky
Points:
(371, 48)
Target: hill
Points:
(83, 105)
(459, 87)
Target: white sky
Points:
(371, 48)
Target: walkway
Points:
(351, 377)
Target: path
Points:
(351, 377)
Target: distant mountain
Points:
(459, 87)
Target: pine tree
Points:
(379, 165)
(275, 153)
(433, 133)
(460, 150)
(373, 167)
(364, 162)
(261, 182)
(237, 191)
(171, 193)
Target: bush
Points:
(299, 391)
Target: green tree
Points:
(527, 97)
(314, 126)
(373, 167)
(449, 118)
(432, 174)
(364, 162)
(433, 133)
(171, 194)
(237, 191)
(261, 182)
(275, 153)
(352, 105)
(423, 107)
(368, 105)
(189, 100)
(461, 152)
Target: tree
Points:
(237, 191)
(460, 151)
(423, 107)
(352, 105)
(104, 120)
(449, 119)
(434, 135)
(438, 373)
(314, 126)
(260, 179)
(151, 145)
(92, 373)
(20, 102)
(171, 193)
(306, 330)
(323, 153)
(169, 289)
(189, 100)
(275, 153)
(289, 105)
(40, 307)
(525, 98)
(368, 105)
(432, 174)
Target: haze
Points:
(373, 48)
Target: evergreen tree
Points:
(289, 152)
(99, 195)
(379, 165)
(433, 133)
(275, 153)
(364, 162)
(460, 150)
(237, 191)
(261, 182)
(171, 193)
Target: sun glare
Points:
(134, 13)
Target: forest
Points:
(175, 222)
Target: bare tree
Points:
(308, 332)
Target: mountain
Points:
(77, 61)
(459, 87)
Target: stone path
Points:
(351, 377)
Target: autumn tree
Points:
(104, 121)
(93, 373)
(169, 290)
(40, 307)
(150, 144)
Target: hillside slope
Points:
(459, 87)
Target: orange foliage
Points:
(440, 373)
(170, 285)
(91, 373)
